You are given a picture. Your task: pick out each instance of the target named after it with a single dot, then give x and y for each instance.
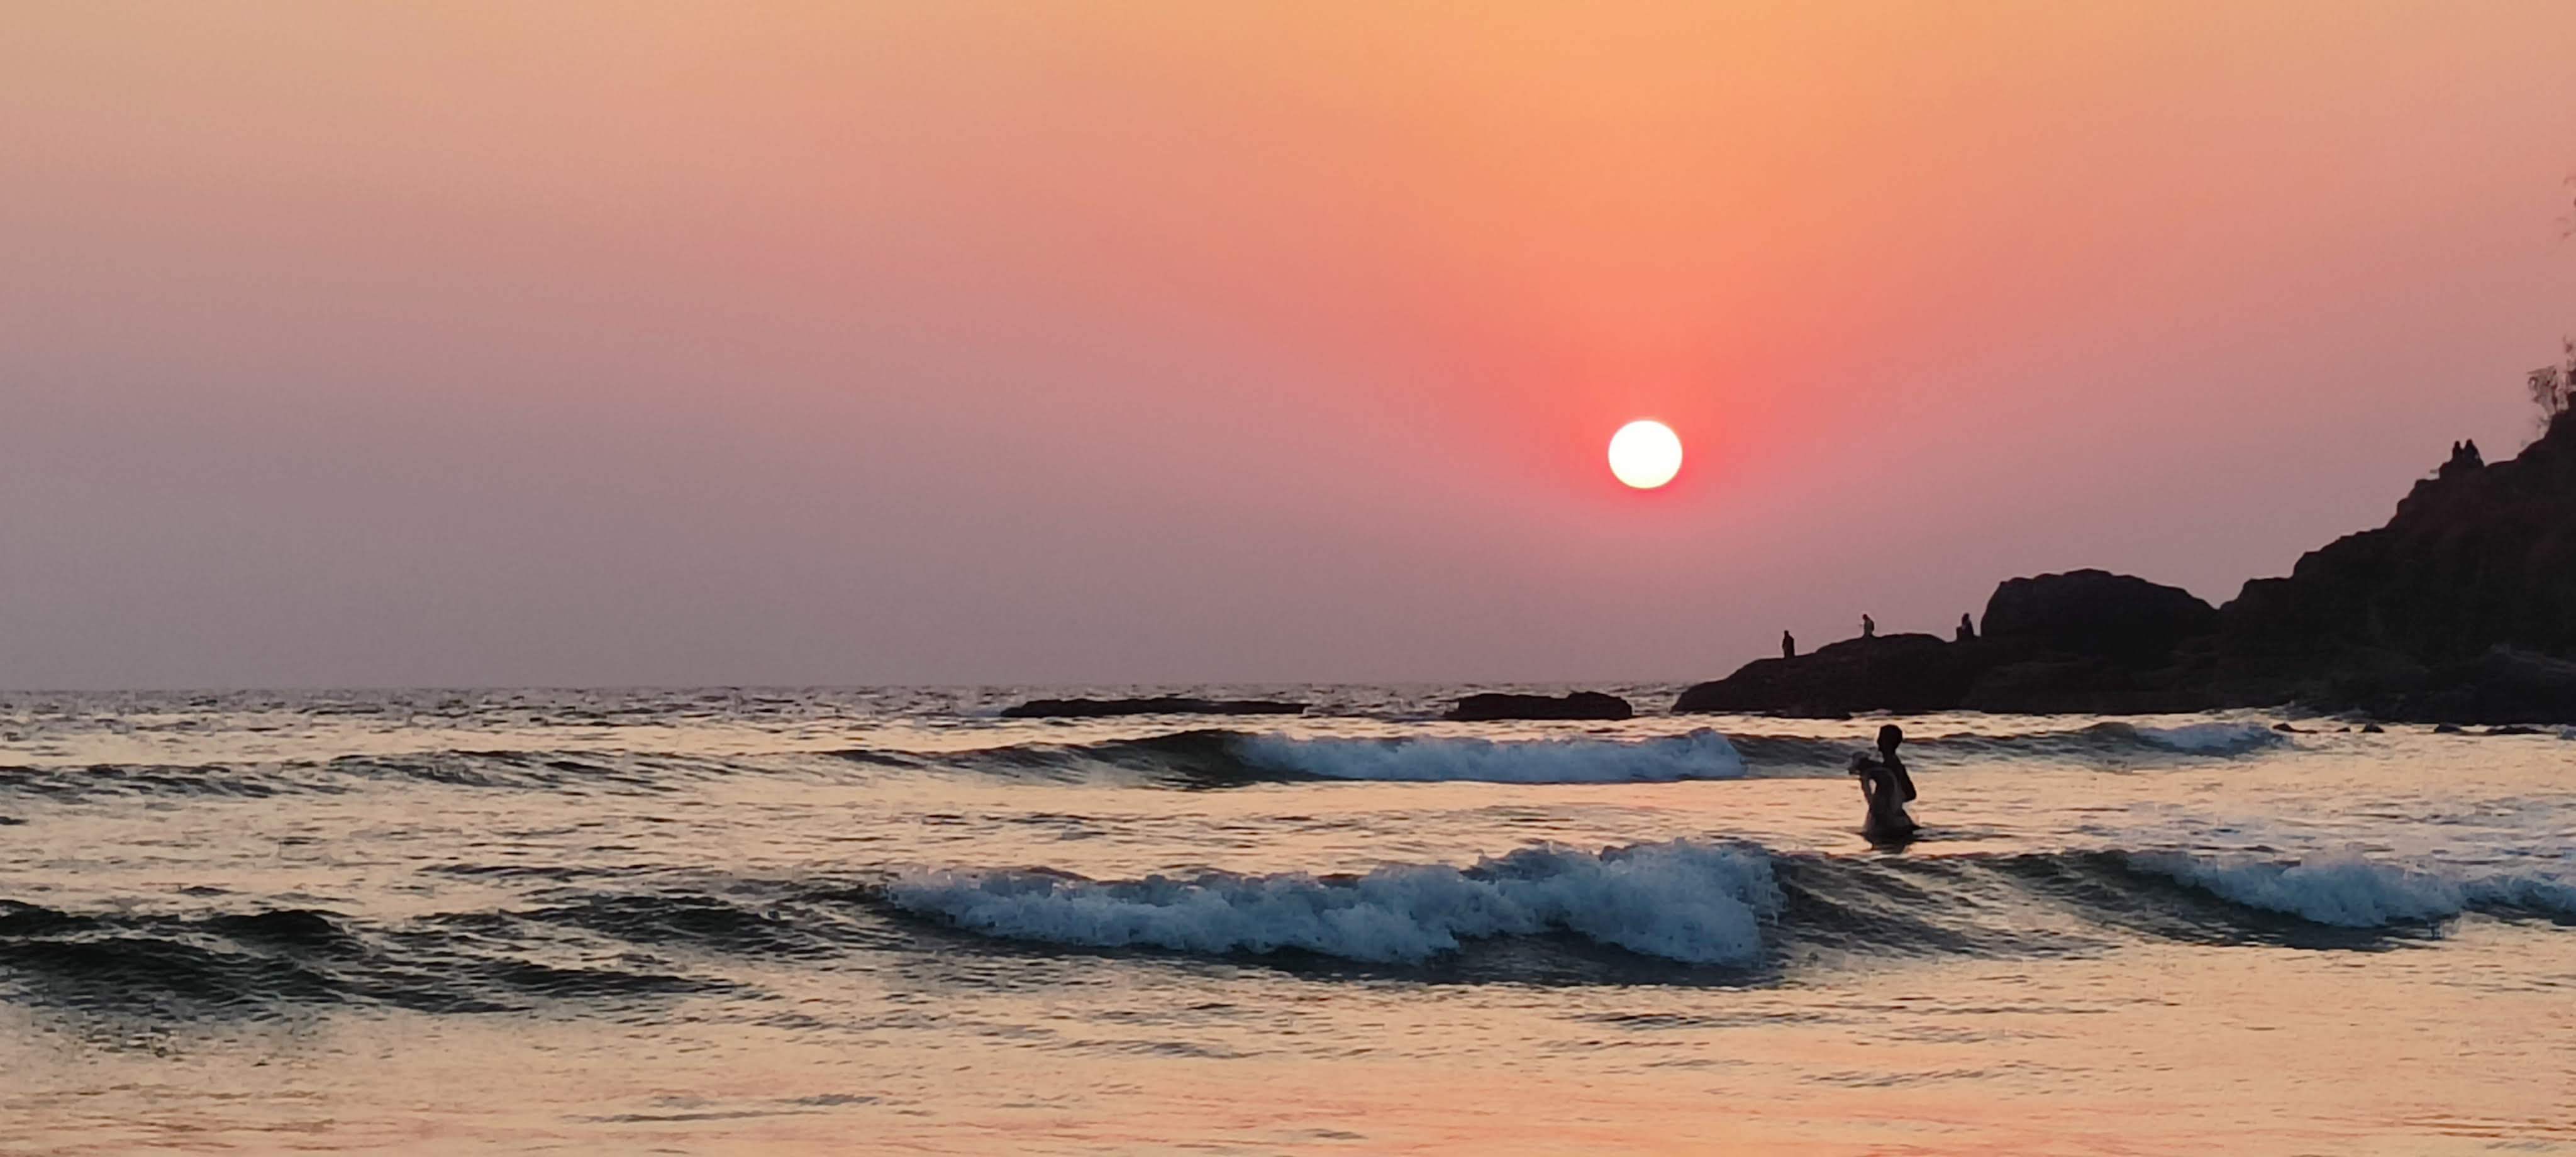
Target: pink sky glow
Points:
(607, 343)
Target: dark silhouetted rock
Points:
(2047, 684)
(1162, 705)
(2446, 729)
(2462, 609)
(2286, 729)
(2503, 686)
(2095, 614)
(2512, 729)
(1884, 673)
(1579, 705)
(2373, 729)
(2478, 557)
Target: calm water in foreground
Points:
(886, 921)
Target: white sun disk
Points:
(1645, 454)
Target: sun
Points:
(1645, 454)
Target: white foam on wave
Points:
(1683, 900)
(2343, 890)
(2346, 890)
(1701, 754)
(2530, 891)
(2211, 738)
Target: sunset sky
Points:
(641, 343)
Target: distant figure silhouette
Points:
(1967, 630)
(1868, 627)
(2464, 456)
(1788, 646)
(1885, 789)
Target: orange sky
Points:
(612, 343)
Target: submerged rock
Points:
(1160, 705)
(1579, 705)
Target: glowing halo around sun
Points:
(1645, 454)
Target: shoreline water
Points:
(778, 921)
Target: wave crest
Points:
(2342, 889)
(1684, 900)
(2216, 737)
(1718, 903)
(1701, 754)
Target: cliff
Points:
(2461, 609)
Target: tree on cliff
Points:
(2551, 385)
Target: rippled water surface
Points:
(891, 921)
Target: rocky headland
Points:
(2462, 609)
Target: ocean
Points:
(891, 921)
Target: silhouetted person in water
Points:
(1885, 789)
(1868, 627)
(1967, 630)
(1788, 646)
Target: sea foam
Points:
(1683, 900)
(1701, 754)
(2212, 738)
(2533, 892)
(2343, 890)
(2346, 890)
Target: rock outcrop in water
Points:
(1494, 705)
(2461, 609)
(1883, 673)
(1161, 705)
(2095, 613)
(2088, 641)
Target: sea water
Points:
(892, 921)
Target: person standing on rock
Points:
(1868, 627)
(1967, 630)
(1788, 646)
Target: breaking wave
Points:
(1195, 758)
(1730, 904)
(1215, 758)
(1543, 914)
(1685, 901)
(2348, 891)
(2211, 738)
(1701, 754)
